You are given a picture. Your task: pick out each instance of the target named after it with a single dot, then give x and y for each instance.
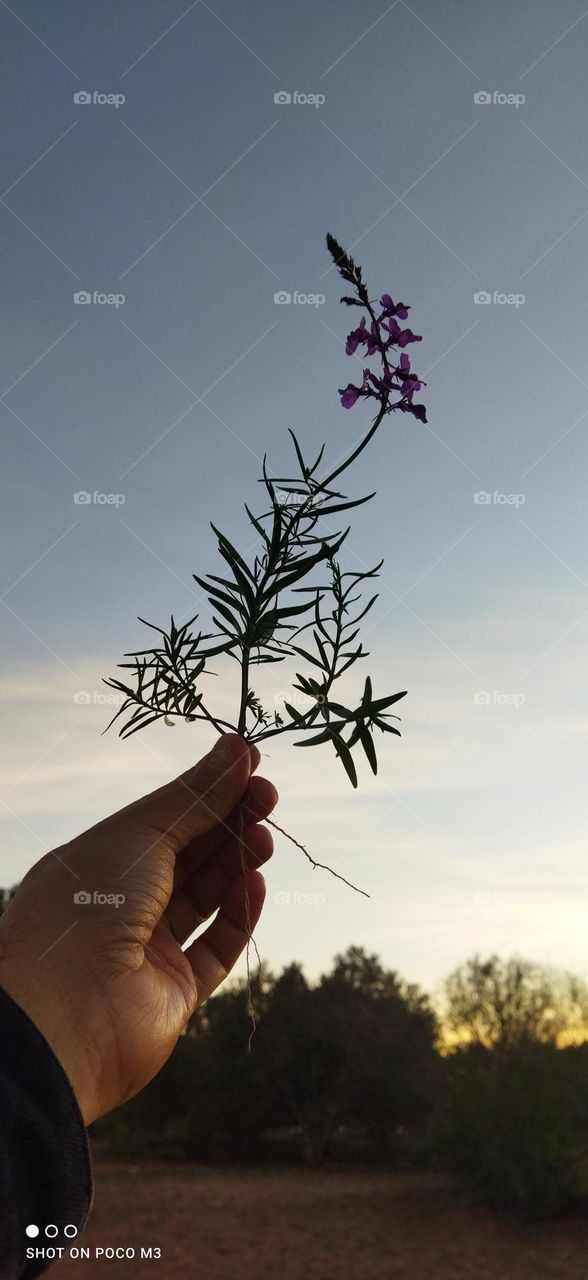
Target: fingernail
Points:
(223, 752)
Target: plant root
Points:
(323, 866)
(250, 939)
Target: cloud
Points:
(470, 837)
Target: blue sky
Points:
(197, 199)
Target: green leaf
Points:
(232, 552)
(224, 582)
(276, 535)
(325, 736)
(257, 659)
(221, 608)
(346, 506)
(308, 657)
(368, 746)
(268, 484)
(387, 728)
(296, 716)
(150, 624)
(290, 610)
(215, 595)
(304, 685)
(381, 703)
(346, 759)
(318, 460)
(301, 461)
(241, 571)
(350, 660)
(342, 711)
(127, 732)
(257, 525)
(321, 648)
(302, 567)
(359, 616)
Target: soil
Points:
(285, 1224)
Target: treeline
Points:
(489, 1085)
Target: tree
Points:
(499, 1003)
(357, 1049)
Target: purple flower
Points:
(394, 309)
(409, 386)
(349, 396)
(418, 410)
(355, 337)
(373, 340)
(401, 337)
(409, 383)
(395, 385)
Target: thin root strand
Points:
(322, 865)
(250, 938)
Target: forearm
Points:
(45, 1174)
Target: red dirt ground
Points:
(284, 1224)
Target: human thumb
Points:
(198, 799)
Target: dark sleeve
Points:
(45, 1171)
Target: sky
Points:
(443, 143)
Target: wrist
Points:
(50, 1011)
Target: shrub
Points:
(509, 1128)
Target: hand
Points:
(107, 982)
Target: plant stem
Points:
(361, 446)
(218, 724)
(244, 692)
